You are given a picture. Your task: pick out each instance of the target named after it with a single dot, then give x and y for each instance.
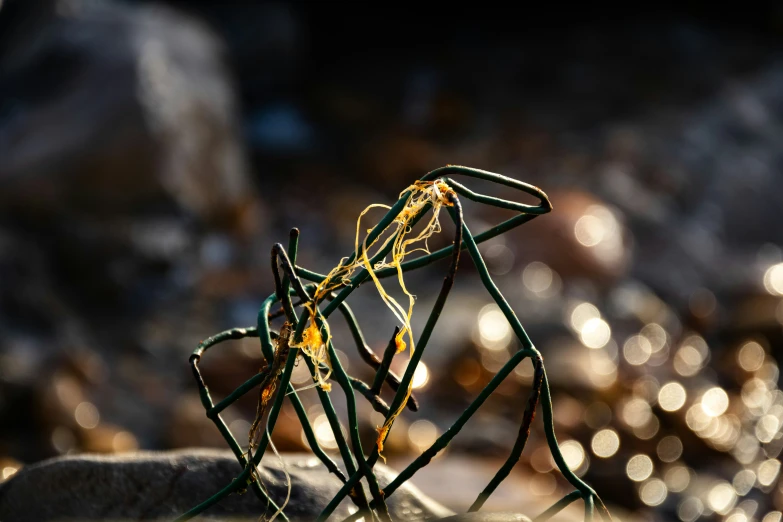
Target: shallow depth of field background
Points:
(152, 154)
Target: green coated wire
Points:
(358, 466)
(326, 402)
(206, 400)
(558, 506)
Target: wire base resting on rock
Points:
(308, 336)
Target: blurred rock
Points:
(120, 154)
(118, 144)
(148, 485)
(487, 517)
(131, 105)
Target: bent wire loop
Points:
(357, 463)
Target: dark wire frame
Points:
(357, 465)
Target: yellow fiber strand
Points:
(422, 193)
(287, 477)
(313, 345)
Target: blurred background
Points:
(152, 153)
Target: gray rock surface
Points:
(162, 485)
(487, 517)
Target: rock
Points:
(120, 151)
(125, 155)
(155, 485)
(487, 517)
(139, 107)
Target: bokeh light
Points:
(769, 373)
(541, 459)
(603, 369)
(124, 441)
(696, 419)
(677, 478)
(743, 482)
(669, 448)
(605, 443)
(751, 356)
(721, 498)
(690, 509)
(86, 415)
(715, 401)
(574, 456)
(421, 376)
(493, 360)
(656, 336)
(539, 279)
(323, 432)
(691, 356)
(672, 396)
(589, 230)
(768, 472)
(598, 415)
(745, 449)
(568, 411)
(581, 314)
(598, 230)
(639, 467)
(773, 279)
(494, 331)
(756, 395)
(595, 333)
(648, 430)
(63, 439)
(647, 387)
(422, 434)
(636, 412)
(239, 426)
(499, 258)
(301, 374)
(653, 492)
(767, 428)
(637, 350)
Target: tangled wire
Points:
(381, 253)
